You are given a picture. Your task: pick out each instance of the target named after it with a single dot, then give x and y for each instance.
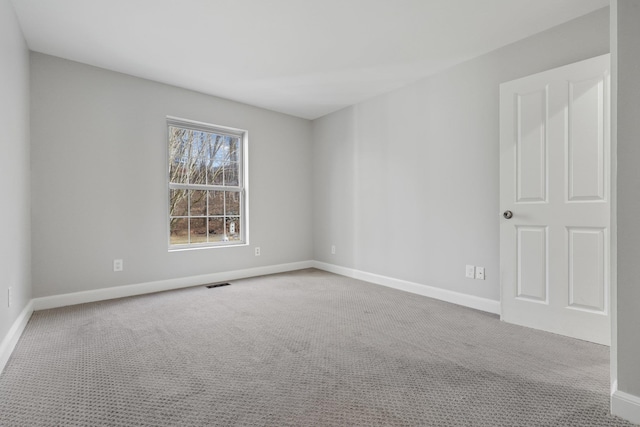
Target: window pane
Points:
(198, 230)
(198, 171)
(216, 202)
(232, 202)
(214, 173)
(179, 146)
(232, 227)
(178, 172)
(221, 148)
(179, 234)
(210, 145)
(199, 144)
(231, 174)
(198, 202)
(234, 153)
(216, 229)
(178, 203)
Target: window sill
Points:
(196, 248)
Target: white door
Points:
(555, 181)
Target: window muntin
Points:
(207, 191)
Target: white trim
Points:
(625, 405)
(204, 127)
(11, 339)
(613, 192)
(465, 300)
(82, 297)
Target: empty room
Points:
(320, 213)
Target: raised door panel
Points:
(531, 147)
(586, 142)
(532, 263)
(587, 276)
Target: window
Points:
(207, 185)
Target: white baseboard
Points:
(11, 339)
(625, 405)
(483, 304)
(63, 300)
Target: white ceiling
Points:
(300, 57)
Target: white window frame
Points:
(241, 188)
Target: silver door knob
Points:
(508, 214)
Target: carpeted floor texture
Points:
(306, 348)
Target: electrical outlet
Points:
(257, 250)
(470, 272)
(118, 265)
(9, 297)
(480, 273)
(333, 249)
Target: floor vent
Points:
(217, 285)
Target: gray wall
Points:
(99, 180)
(15, 244)
(628, 137)
(406, 184)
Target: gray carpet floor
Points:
(306, 348)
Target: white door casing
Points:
(555, 179)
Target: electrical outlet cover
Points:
(480, 273)
(470, 272)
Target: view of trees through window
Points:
(205, 187)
